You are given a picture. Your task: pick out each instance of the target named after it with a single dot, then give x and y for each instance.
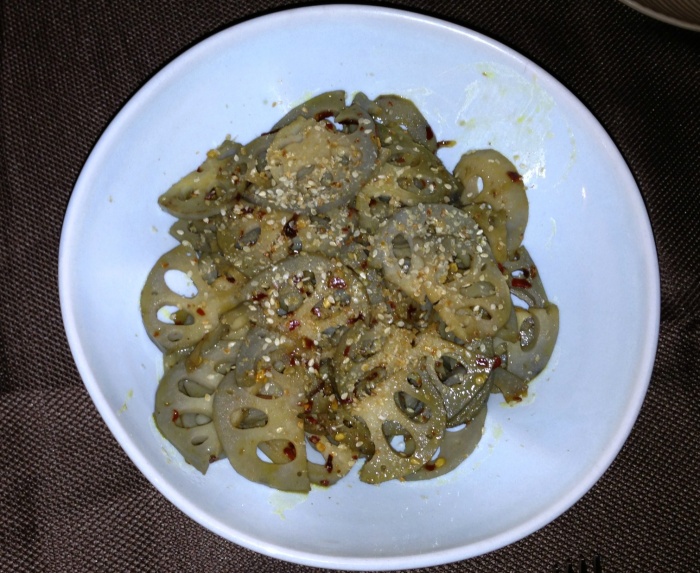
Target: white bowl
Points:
(681, 13)
(588, 232)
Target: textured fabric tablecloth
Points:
(72, 501)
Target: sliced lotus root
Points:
(539, 328)
(324, 233)
(418, 246)
(332, 428)
(390, 108)
(408, 174)
(406, 423)
(493, 223)
(479, 401)
(512, 387)
(524, 279)
(258, 408)
(477, 300)
(197, 234)
(307, 298)
(456, 371)
(338, 460)
(491, 180)
(365, 356)
(213, 186)
(184, 404)
(456, 446)
(173, 320)
(252, 237)
(312, 167)
(326, 104)
(438, 252)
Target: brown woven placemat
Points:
(71, 500)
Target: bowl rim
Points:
(661, 16)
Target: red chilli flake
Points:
(293, 324)
(200, 312)
(353, 319)
(314, 439)
(176, 415)
(521, 283)
(290, 451)
(323, 114)
(515, 177)
(329, 463)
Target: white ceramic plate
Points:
(681, 13)
(588, 232)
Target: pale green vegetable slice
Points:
(512, 387)
(252, 238)
(493, 223)
(539, 328)
(477, 403)
(190, 317)
(439, 252)
(311, 167)
(457, 372)
(261, 412)
(390, 108)
(406, 421)
(339, 459)
(366, 355)
(324, 233)
(418, 245)
(307, 297)
(211, 187)
(326, 104)
(197, 234)
(184, 404)
(492, 181)
(477, 303)
(409, 174)
(455, 447)
(524, 279)
(377, 375)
